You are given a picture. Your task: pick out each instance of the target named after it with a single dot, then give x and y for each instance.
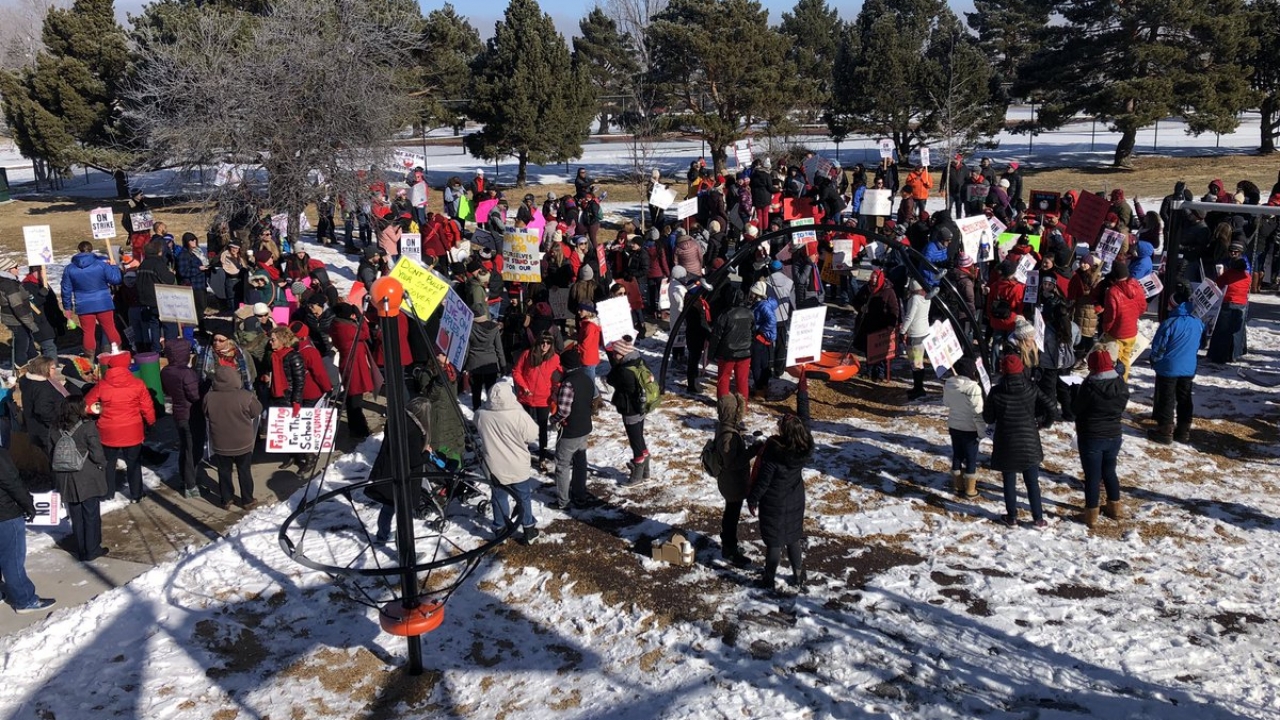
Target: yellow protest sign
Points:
(522, 258)
(425, 289)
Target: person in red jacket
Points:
(536, 374)
(1230, 334)
(659, 270)
(1123, 302)
(355, 365)
(125, 410)
(588, 343)
(317, 382)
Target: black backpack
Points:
(66, 457)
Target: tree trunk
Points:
(719, 157)
(122, 184)
(1124, 148)
(604, 123)
(1268, 124)
(523, 158)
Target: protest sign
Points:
(1108, 248)
(803, 237)
(406, 159)
(485, 207)
(972, 232)
(818, 166)
(103, 223)
(1005, 241)
(742, 153)
(942, 346)
(1151, 284)
(842, 253)
(141, 221)
(424, 288)
(39, 241)
(1044, 202)
(1031, 292)
(455, 329)
(804, 344)
(877, 203)
(310, 431)
(924, 157)
(663, 197)
(886, 149)
(793, 208)
(997, 227)
(615, 319)
(522, 259)
(1088, 217)
(1025, 266)
(687, 208)
(49, 509)
(411, 245)
(176, 303)
(1206, 303)
(881, 345)
(559, 299)
(1039, 325)
(983, 376)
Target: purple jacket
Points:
(179, 381)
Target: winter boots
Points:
(639, 471)
(530, 533)
(1162, 434)
(1113, 510)
(1182, 433)
(917, 385)
(1090, 516)
(971, 485)
(957, 482)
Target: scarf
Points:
(279, 381)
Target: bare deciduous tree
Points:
(20, 25)
(314, 85)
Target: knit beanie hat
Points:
(1011, 364)
(1100, 361)
(1120, 270)
(262, 256)
(1023, 330)
(964, 260)
(571, 358)
(679, 273)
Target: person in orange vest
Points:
(920, 182)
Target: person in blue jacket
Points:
(937, 253)
(86, 291)
(1173, 357)
(1141, 265)
(764, 314)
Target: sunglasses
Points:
(220, 340)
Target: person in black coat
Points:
(40, 400)
(84, 489)
(1099, 404)
(16, 506)
(731, 346)
(1019, 409)
(777, 496)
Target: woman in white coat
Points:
(962, 394)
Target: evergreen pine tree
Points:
(1008, 31)
(813, 29)
(64, 110)
(1264, 30)
(450, 45)
(1133, 63)
(721, 67)
(608, 59)
(533, 100)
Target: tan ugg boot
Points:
(971, 486)
(1090, 516)
(956, 483)
(1113, 510)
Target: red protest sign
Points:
(880, 345)
(1088, 217)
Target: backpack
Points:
(652, 396)
(67, 457)
(712, 463)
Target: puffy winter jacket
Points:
(1018, 408)
(127, 408)
(915, 324)
(921, 183)
(40, 401)
(506, 431)
(535, 383)
(765, 318)
(180, 382)
(936, 254)
(484, 354)
(1099, 403)
(963, 398)
(1010, 291)
(731, 335)
(317, 381)
(1142, 266)
(231, 412)
(778, 490)
(658, 267)
(1122, 305)
(689, 256)
(86, 284)
(589, 343)
(1174, 347)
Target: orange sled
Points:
(832, 367)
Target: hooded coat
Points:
(484, 353)
(1017, 407)
(1099, 403)
(231, 412)
(86, 284)
(735, 471)
(1123, 304)
(1141, 265)
(127, 408)
(506, 431)
(628, 395)
(1176, 343)
(963, 398)
(778, 491)
(180, 382)
(355, 368)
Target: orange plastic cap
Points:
(388, 293)
(396, 619)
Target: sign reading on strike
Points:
(411, 245)
(103, 223)
(49, 509)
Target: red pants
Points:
(740, 370)
(89, 323)
(762, 219)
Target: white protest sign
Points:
(411, 245)
(1108, 248)
(997, 227)
(742, 153)
(141, 220)
(521, 256)
(408, 159)
(455, 329)
(687, 208)
(972, 232)
(103, 223)
(803, 237)
(39, 241)
(804, 343)
(1151, 284)
(924, 156)
(983, 376)
(818, 166)
(49, 509)
(176, 303)
(227, 174)
(559, 299)
(1025, 265)
(886, 149)
(1031, 293)
(1206, 303)
(615, 319)
(310, 431)
(842, 253)
(942, 346)
(662, 197)
(877, 203)
(1039, 324)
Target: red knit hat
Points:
(1011, 364)
(1100, 361)
(115, 360)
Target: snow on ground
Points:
(919, 607)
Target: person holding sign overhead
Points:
(86, 293)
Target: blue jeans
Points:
(502, 508)
(1031, 476)
(13, 560)
(1098, 460)
(386, 514)
(964, 450)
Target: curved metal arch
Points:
(909, 256)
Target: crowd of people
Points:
(274, 331)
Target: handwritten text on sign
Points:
(523, 259)
(615, 319)
(455, 329)
(103, 223)
(687, 208)
(805, 343)
(176, 303)
(424, 288)
(942, 346)
(39, 241)
(880, 345)
(310, 431)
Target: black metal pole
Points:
(397, 434)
